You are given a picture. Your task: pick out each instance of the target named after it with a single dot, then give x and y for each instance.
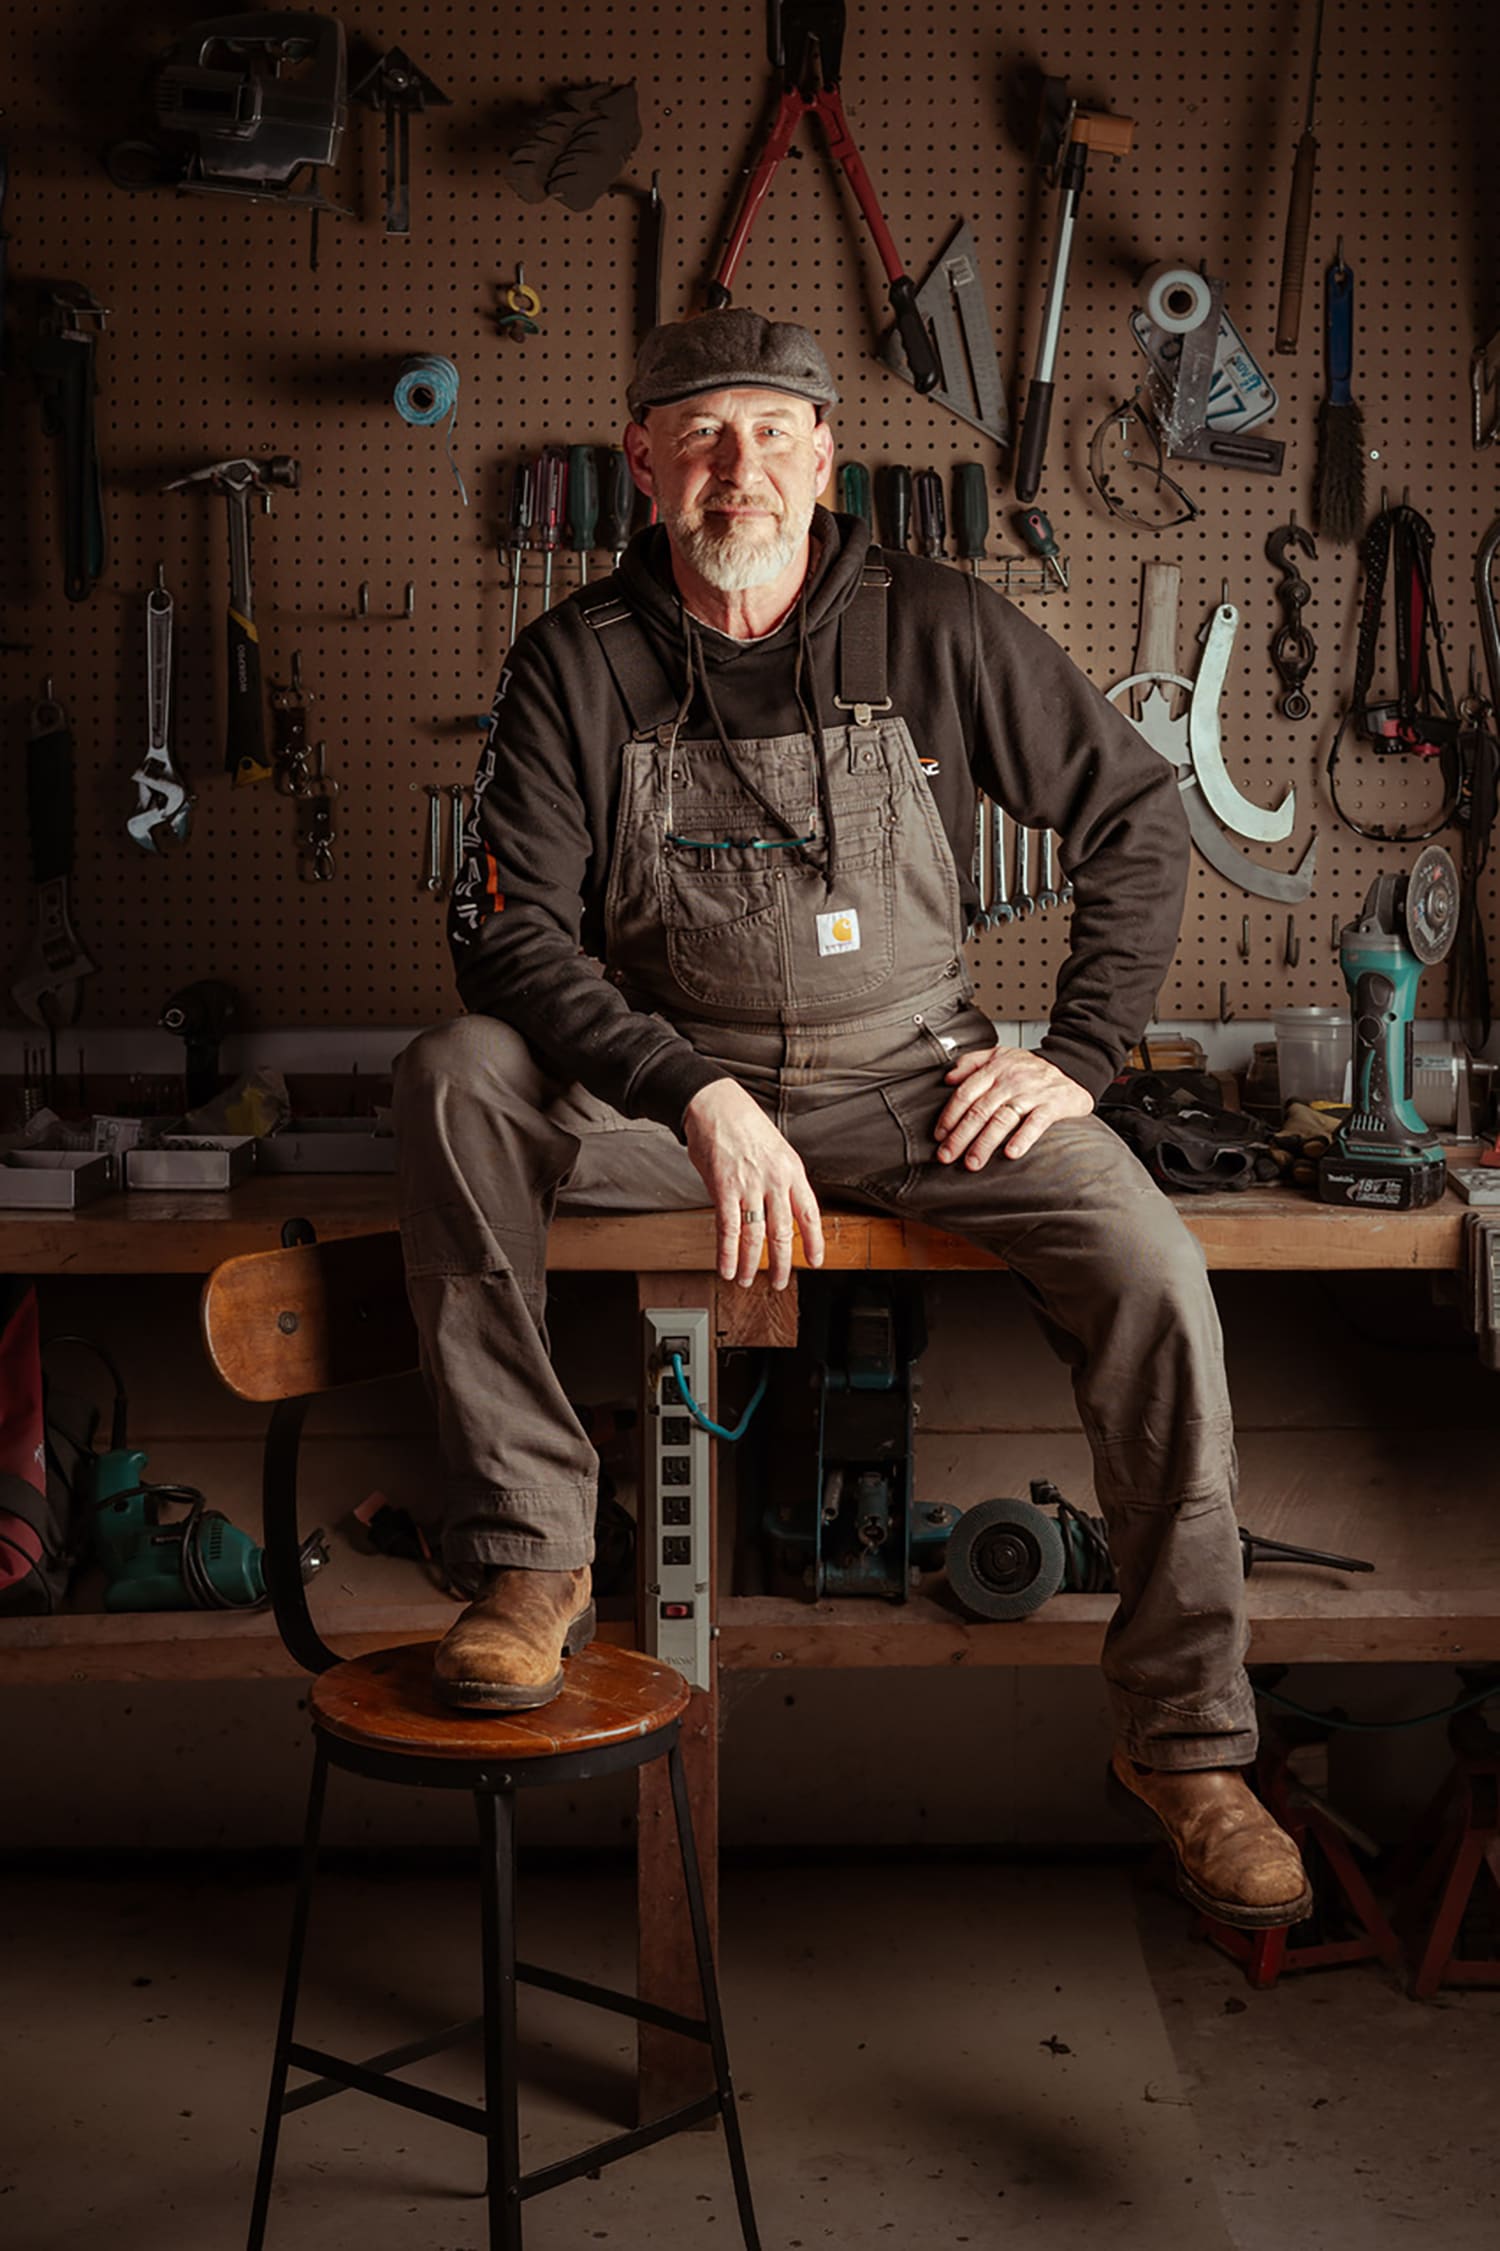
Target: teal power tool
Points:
(152, 1560)
(1385, 1154)
(1008, 1556)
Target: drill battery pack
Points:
(1382, 1183)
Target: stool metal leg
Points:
(709, 1983)
(497, 1904)
(295, 1948)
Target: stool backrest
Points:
(287, 1324)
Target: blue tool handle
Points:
(1339, 299)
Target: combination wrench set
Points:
(1002, 899)
(445, 817)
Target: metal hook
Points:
(1292, 951)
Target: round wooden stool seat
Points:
(608, 1695)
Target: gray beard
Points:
(734, 562)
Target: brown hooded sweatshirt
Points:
(992, 704)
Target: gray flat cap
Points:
(722, 350)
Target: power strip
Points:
(675, 1527)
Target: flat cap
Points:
(722, 350)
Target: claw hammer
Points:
(245, 758)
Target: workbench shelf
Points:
(1436, 1598)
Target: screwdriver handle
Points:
(1034, 528)
(552, 497)
(932, 513)
(971, 510)
(583, 498)
(854, 491)
(522, 503)
(617, 501)
(893, 505)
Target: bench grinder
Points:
(1385, 1154)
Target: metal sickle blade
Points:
(1265, 826)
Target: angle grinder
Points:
(1385, 1153)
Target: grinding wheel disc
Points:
(1430, 908)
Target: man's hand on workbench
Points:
(1003, 1097)
(761, 1194)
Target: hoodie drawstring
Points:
(697, 669)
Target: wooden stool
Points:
(281, 1326)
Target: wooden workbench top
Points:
(189, 1233)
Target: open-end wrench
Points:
(984, 870)
(1025, 904)
(1001, 909)
(1048, 895)
(435, 838)
(164, 801)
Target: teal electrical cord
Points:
(702, 1420)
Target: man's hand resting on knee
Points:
(1003, 1097)
(760, 1191)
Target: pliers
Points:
(806, 41)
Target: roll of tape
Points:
(1176, 298)
(427, 390)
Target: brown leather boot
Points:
(1233, 1861)
(505, 1653)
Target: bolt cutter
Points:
(806, 41)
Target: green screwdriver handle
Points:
(854, 492)
(583, 498)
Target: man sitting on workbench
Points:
(740, 774)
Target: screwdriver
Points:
(932, 514)
(971, 513)
(893, 505)
(854, 491)
(1034, 528)
(551, 505)
(583, 505)
(522, 510)
(617, 502)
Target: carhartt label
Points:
(838, 933)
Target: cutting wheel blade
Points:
(1430, 910)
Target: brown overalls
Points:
(839, 1009)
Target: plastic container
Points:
(1313, 1049)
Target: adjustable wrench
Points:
(164, 801)
(245, 757)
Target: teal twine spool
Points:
(426, 391)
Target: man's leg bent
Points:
(1120, 1289)
(488, 1145)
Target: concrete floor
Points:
(929, 2053)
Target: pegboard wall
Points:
(222, 341)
